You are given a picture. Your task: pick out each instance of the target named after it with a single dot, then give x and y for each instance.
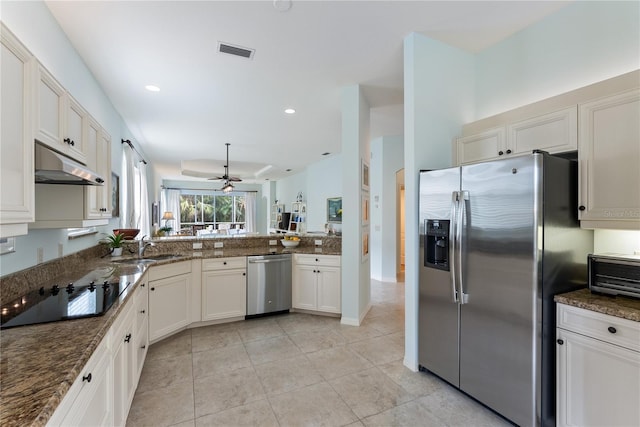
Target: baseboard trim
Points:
(352, 321)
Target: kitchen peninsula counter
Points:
(619, 306)
(39, 363)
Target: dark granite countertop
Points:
(618, 306)
(39, 363)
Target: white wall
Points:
(583, 43)
(439, 85)
(356, 279)
(324, 180)
(387, 158)
(616, 241)
(34, 25)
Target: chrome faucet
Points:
(142, 245)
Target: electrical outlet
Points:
(60, 250)
(197, 245)
(218, 245)
(40, 255)
(273, 242)
(318, 242)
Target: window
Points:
(197, 208)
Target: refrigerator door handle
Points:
(462, 208)
(452, 245)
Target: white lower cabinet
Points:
(317, 283)
(598, 369)
(169, 299)
(224, 288)
(89, 401)
(129, 348)
(123, 364)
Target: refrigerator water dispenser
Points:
(436, 245)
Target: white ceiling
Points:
(303, 57)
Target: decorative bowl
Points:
(290, 243)
(129, 233)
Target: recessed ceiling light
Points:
(290, 111)
(152, 88)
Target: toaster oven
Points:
(615, 274)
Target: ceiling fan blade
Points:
(235, 179)
(217, 178)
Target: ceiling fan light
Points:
(227, 187)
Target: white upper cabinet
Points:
(609, 162)
(98, 198)
(16, 132)
(60, 120)
(554, 132)
(76, 121)
(482, 146)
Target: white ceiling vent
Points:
(235, 50)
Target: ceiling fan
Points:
(227, 187)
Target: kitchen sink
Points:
(150, 259)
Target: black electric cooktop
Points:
(90, 295)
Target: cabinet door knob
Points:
(581, 208)
(224, 262)
(314, 271)
(142, 285)
(143, 347)
(142, 311)
(559, 341)
(612, 329)
(508, 151)
(500, 153)
(244, 274)
(87, 378)
(153, 289)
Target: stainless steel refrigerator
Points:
(498, 241)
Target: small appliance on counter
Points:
(615, 274)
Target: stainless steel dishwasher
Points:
(268, 284)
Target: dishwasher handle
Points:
(266, 261)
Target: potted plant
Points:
(115, 242)
(164, 231)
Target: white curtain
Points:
(135, 197)
(143, 214)
(128, 214)
(250, 212)
(170, 202)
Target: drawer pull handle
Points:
(559, 341)
(127, 338)
(143, 347)
(87, 378)
(612, 329)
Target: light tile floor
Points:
(298, 370)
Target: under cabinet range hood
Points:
(55, 168)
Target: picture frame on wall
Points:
(366, 211)
(365, 245)
(115, 195)
(364, 175)
(334, 210)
